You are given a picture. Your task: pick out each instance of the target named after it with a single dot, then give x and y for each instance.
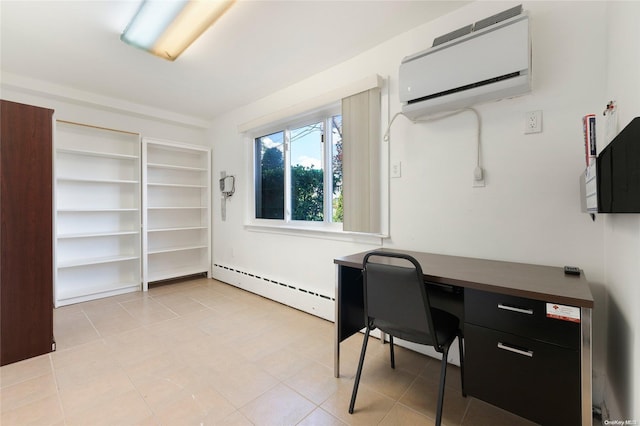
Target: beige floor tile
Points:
(319, 417)
(378, 374)
(86, 371)
(209, 355)
(316, 345)
(422, 396)
(240, 382)
(159, 390)
(148, 311)
(481, 413)
(20, 371)
(124, 408)
(405, 416)
(413, 362)
(81, 354)
(132, 346)
(283, 363)
(155, 364)
(101, 308)
(174, 333)
(370, 407)
(193, 405)
(278, 406)
(223, 288)
(117, 321)
(234, 419)
(315, 382)
(179, 303)
(260, 344)
(43, 412)
(80, 395)
(72, 328)
(127, 297)
(27, 392)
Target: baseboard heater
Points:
(296, 296)
(269, 281)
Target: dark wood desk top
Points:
(546, 283)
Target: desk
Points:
(539, 317)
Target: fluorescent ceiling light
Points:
(167, 27)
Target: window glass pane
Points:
(270, 176)
(307, 173)
(336, 168)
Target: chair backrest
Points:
(395, 293)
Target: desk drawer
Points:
(520, 316)
(536, 380)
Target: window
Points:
(298, 172)
(320, 165)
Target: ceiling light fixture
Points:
(166, 28)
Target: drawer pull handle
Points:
(515, 350)
(514, 309)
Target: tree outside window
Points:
(291, 183)
(270, 176)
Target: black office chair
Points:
(397, 303)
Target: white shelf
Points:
(98, 213)
(95, 261)
(182, 228)
(89, 180)
(83, 210)
(95, 234)
(76, 295)
(178, 208)
(90, 153)
(175, 167)
(177, 185)
(173, 249)
(176, 237)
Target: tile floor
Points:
(201, 352)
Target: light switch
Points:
(396, 169)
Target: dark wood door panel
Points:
(26, 234)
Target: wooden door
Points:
(26, 240)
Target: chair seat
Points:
(445, 324)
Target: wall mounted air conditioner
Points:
(484, 61)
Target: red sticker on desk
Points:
(563, 312)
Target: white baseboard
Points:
(295, 295)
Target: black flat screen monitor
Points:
(618, 172)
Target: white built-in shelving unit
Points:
(97, 212)
(176, 219)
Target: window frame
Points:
(323, 115)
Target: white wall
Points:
(622, 232)
(86, 108)
(528, 212)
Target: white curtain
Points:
(361, 162)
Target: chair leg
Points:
(443, 375)
(391, 352)
(461, 347)
(359, 372)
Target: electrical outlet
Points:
(533, 122)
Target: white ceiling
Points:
(255, 49)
